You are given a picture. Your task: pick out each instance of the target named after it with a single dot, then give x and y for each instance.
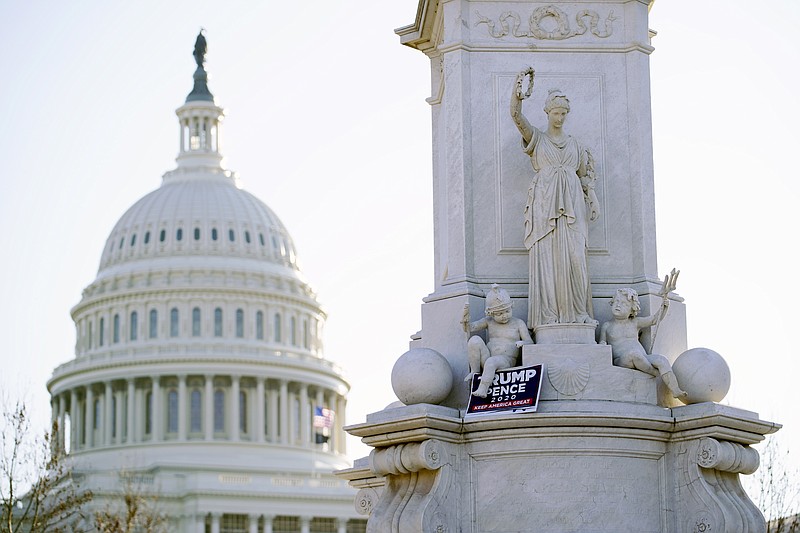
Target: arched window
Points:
(121, 242)
(293, 330)
(242, 411)
(134, 325)
(172, 412)
(163, 235)
(306, 338)
(239, 323)
(102, 331)
(147, 237)
(231, 235)
(197, 234)
(153, 324)
(115, 336)
(148, 413)
(214, 234)
(219, 411)
(261, 238)
(179, 234)
(195, 412)
(133, 239)
(218, 322)
(173, 322)
(259, 325)
(247, 237)
(196, 322)
(277, 332)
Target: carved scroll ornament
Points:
(419, 495)
(535, 30)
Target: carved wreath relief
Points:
(535, 29)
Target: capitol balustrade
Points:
(255, 354)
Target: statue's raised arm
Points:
(518, 94)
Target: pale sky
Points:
(327, 123)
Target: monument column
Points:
(89, 418)
(108, 416)
(182, 408)
(119, 397)
(272, 414)
(258, 427)
(155, 427)
(131, 417)
(598, 55)
(208, 407)
(305, 422)
(73, 420)
(234, 408)
(284, 410)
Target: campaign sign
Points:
(513, 389)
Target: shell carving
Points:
(568, 377)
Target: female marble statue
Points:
(561, 202)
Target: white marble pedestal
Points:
(574, 466)
(600, 455)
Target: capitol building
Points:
(199, 373)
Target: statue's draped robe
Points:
(557, 233)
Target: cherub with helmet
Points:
(505, 334)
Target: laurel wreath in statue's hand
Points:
(522, 94)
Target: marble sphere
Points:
(422, 375)
(703, 374)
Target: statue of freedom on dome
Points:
(561, 202)
(200, 49)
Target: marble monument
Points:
(628, 434)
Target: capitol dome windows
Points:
(243, 411)
(231, 235)
(197, 234)
(173, 322)
(162, 236)
(153, 326)
(134, 325)
(259, 325)
(116, 329)
(133, 239)
(195, 412)
(102, 329)
(218, 322)
(239, 323)
(172, 411)
(147, 237)
(247, 237)
(179, 234)
(277, 325)
(219, 411)
(214, 235)
(196, 322)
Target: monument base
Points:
(573, 466)
(586, 372)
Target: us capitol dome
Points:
(199, 372)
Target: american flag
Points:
(323, 418)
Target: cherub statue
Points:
(622, 333)
(506, 335)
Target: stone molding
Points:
(429, 459)
(536, 31)
(420, 492)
